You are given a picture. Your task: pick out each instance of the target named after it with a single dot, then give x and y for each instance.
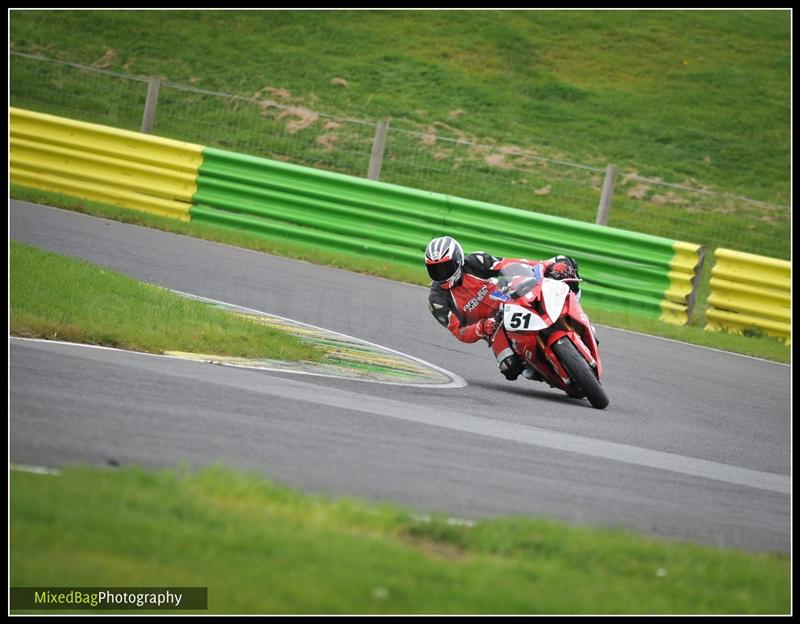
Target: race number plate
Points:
(519, 318)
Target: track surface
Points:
(695, 444)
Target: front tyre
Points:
(581, 374)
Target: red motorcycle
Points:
(550, 331)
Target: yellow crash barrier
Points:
(750, 291)
(103, 164)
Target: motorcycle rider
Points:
(457, 298)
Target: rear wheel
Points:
(581, 374)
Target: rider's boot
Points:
(511, 367)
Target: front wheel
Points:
(580, 372)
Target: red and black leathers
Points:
(461, 308)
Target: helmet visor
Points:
(444, 270)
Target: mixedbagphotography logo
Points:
(115, 598)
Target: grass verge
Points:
(756, 346)
(53, 296)
(263, 548)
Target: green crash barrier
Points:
(623, 271)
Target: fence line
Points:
(423, 135)
(272, 127)
(436, 137)
(708, 192)
(189, 88)
(79, 66)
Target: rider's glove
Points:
(561, 269)
(486, 327)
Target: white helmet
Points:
(444, 259)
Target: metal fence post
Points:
(149, 117)
(604, 207)
(691, 300)
(378, 147)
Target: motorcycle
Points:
(549, 330)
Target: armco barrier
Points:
(750, 291)
(103, 164)
(623, 271)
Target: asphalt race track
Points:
(695, 444)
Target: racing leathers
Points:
(466, 308)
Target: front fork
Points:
(574, 336)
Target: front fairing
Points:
(531, 302)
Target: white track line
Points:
(41, 470)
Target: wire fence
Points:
(435, 157)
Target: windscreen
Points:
(518, 278)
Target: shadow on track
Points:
(530, 391)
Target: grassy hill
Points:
(675, 94)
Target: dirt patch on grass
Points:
(107, 60)
(436, 549)
(497, 160)
(327, 141)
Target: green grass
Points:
(57, 297)
(692, 97)
(263, 548)
(757, 346)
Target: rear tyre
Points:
(581, 374)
